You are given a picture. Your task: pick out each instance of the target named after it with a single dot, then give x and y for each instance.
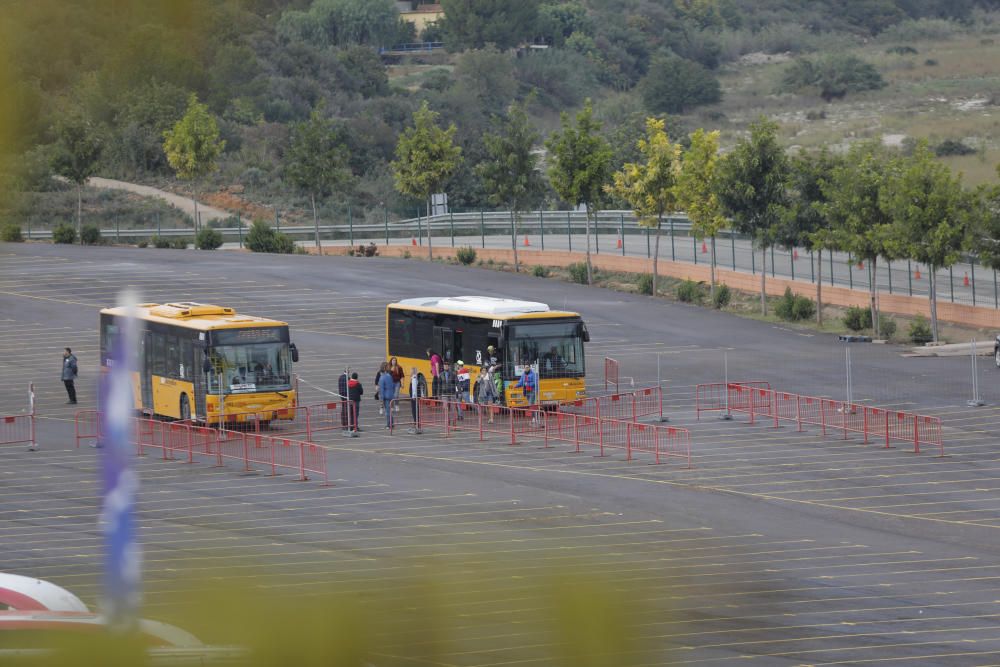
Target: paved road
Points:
(778, 547)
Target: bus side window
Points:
(159, 354)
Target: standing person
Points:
(345, 400)
(397, 377)
(382, 369)
(488, 390)
(387, 392)
(529, 383)
(418, 390)
(354, 392)
(448, 386)
(462, 380)
(435, 359)
(69, 373)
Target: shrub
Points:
(645, 283)
(407, 255)
(142, 244)
(886, 326)
(674, 85)
(466, 255)
(803, 308)
(179, 243)
(931, 62)
(208, 239)
(540, 271)
(834, 76)
(261, 238)
(857, 318)
(578, 272)
(723, 295)
(902, 50)
(816, 115)
(953, 147)
(370, 250)
(690, 291)
(11, 233)
(90, 235)
(920, 330)
(160, 242)
(64, 233)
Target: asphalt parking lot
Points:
(777, 547)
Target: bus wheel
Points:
(185, 408)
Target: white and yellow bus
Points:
(524, 333)
(192, 357)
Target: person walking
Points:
(345, 401)
(448, 385)
(382, 369)
(435, 360)
(397, 377)
(528, 382)
(418, 390)
(69, 373)
(387, 392)
(463, 381)
(354, 392)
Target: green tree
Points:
(193, 145)
(930, 214)
(751, 187)
(856, 192)
(985, 236)
(675, 85)
(341, 22)
(316, 161)
(697, 189)
(805, 221)
(510, 172)
(486, 75)
(76, 155)
(581, 165)
(650, 187)
(426, 157)
(472, 24)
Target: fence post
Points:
(385, 219)
(569, 231)
(772, 261)
(597, 234)
(350, 223)
(482, 227)
(732, 239)
(831, 266)
(600, 435)
(628, 441)
(791, 262)
(576, 432)
(864, 413)
(119, 240)
(887, 429)
(694, 248)
(239, 228)
(277, 219)
(812, 268)
(972, 264)
(798, 411)
(753, 260)
(451, 218)
(888, 265)
(420, 230)
(541, 226)
(951, 283)
(649, 252)
(996, 293)
(850, 272)
(510, 414)
(822, 415)
(916, 434)
(157, 224)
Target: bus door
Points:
(145, 371)
(199, 375)
(444, 342)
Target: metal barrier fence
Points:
(189, 442)
(18, 430)
(302, 420)
(580, 430)
(826, 413)
(610, 373)
(628, 406)
(720, 396)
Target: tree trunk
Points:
(932, 283)
(319, 245)
(513, 235)
(711, 287)
(590, 271)
(873, 293)
(430, 246)
(819, 290)
(79, 211)
(656, 255)
(763, 280)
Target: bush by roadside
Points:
(64, 233)
(11, 233)
(208, 239)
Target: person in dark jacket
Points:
(69, 372)
(448, 386)
(354, 392)
(387, 391)
(418, 390)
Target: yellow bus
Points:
(187, 350)
(523, 333)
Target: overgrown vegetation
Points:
(540, 271)
(578, 272)
(691, 291)
(919, 330)
(90, 235)
(794, 307)
(11, 233)
(832, 76)
(466, 255)
(64, 233)
(723, 295)
(262, 238)
(208, 239)
(644, 283)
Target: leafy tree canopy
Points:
(675, 85)
(472, 24)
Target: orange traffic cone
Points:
(965, 281)
(916, 274)
(413, 241)
(526, 242)
(704, 248)
(795, 254)
(619, 242)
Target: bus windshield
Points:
(556, 346)
(250, 367)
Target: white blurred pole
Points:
(976, 401)
(725, 372)
(850, 388)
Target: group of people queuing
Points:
(452, 385)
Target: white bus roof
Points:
(486, 305)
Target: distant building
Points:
(420, 14)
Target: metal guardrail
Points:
(412, 47)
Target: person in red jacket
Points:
(354, 392)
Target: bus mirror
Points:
(584, 334)
(295, 353)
